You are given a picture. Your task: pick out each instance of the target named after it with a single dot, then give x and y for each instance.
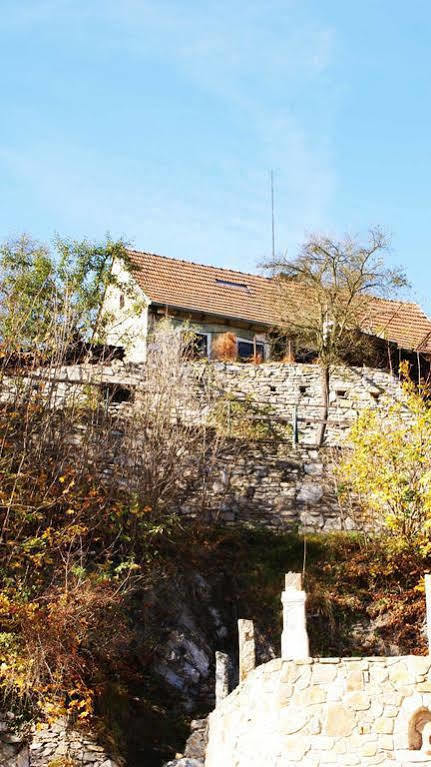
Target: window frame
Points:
(247, 341)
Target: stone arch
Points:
(420, 730)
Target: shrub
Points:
(224, 347)
(389, 468)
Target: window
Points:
(232, 284)
(115, 394)
(201, 344)
(198, 347)
(246, 350)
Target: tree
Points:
(389, 467)
(65, 282)
(90, 496)
(326, 294)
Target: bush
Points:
(389, 468)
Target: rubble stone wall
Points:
(53, 745)
(283, 387)
(275, 485)
(279, 387)
(350, 711)
(265, 481)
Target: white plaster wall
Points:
(127, 328)
(314, 712)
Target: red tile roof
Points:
(251, 297)
(184, 284)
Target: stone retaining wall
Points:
(53, 745)
(283, 387)
(275, 485)
(278, 387)
(314, 712)
(264, 481)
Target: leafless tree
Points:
(326, 295)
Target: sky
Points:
(160, 120)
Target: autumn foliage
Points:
(388, 468)
(88, 497)
(224, 347)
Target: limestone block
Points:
(284, 693)
(360, 701)
(393, 698)
(351, 759)
(418, 665)
(312, 695)
(369, 749)
(390, 711)
(296, 747)
(304, 678)
(292, 720)
(335, 691)
(376, 708)
(327, 757)
(399, 675)
(340, 720)
(385, 725)
(322, 743)
(364, 728)
(323, 674)
(310, 493)
(290, 671)
(315, 726)
(355, 681)
(386, 742)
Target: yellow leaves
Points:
(388, 468)
(70, 486)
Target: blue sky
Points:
(160, 120)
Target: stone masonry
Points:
(280, 387)
(269, 482)
(275, 485)
(54, 745)
(312, 712)
(283, 387)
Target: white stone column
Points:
(294, 639)
(247, 650)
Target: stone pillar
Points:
(221, 677)
(294, 639)
(428, 608)
(247, 651)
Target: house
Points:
(214, 301)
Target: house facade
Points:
(215, 302)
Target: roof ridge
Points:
(401, 301)
(196, 263)
(260, 276)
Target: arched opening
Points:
(420, 731)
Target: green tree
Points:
(53, 293)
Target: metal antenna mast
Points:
(272, 214)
